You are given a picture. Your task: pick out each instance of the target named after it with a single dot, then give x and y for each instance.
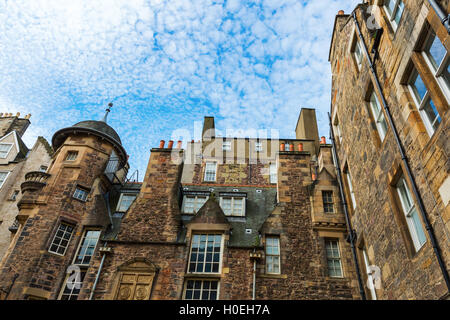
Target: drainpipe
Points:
(422, 211)
(254, 279)
(351, 232)
(445, 19)
(98, 273)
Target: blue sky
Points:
(166, 64)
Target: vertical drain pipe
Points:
(254, 280)
(98, 273)
(428, 226)
(445, 19)
(351, 232)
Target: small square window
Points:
(71, 155)
(80, 194)
(258, 146)
(14, 195)
(43, 168)
(226, 145)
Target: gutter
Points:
(351, 232)
(445, 19)
(421, 206)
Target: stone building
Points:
(390, 119)
(224, 218)
(15, 161)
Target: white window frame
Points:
(420, 105)
(72, 294)
(233, 214)
(273, 173)
(84, 194)
(43, 169)
(378, 117)
(61, 238)
(359, 58)
(258, 146)
(370, 278)
(6, 177)
(337, 131)
(206, 171)
(7, 152)
(71, 155)
(205, 253)
(119, 203)
(80, 245)
(201, 289)
(409, 209)
(437, 71)
(197, 201)
(394, 13)
(277, 257)
(350, 188)
(334, 258)
(226, 146)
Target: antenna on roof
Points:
(108, 110)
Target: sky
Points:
(165, 64)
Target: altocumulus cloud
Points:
(166, 64)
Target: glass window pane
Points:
(419, 87)
(436, 51)
(432, 114)
(398, 14)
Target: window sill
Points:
(272, 276)
(203, 275)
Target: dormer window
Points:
(4, 149)
(210, 171)
(125, 202)
(233, 206)
(192, 204)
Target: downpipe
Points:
(422, 211)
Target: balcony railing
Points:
(34, 180)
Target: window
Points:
(412, 218)
(370, 279)
(333, 258)
(87, 247)
(3, 177)
(43, 169)
(287, 146)
(80, 194)
(233, 206)
(210, 171)
(4, 149)
(422, 99)
(258, 146)
(71, 155)
(192, 204)
(14, 195)
(113, 163)
(205, 256)
(337, 129)
(327, 197)
(378, 116)
(350, 188)
(438, 59)
(71, 290)
(201, 290)
(226, 145)
(394, 10)
(273, 173)
(125, 202)
(358, 53)
(61, 239)
(273, 255)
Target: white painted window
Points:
(358, 53)
(87, 247)
(350, 187)
(71, 291)
(226, 145)
(378, 116)
(394, 10)
(273, 173)
(71, 155)
(273, 255)
(438, 60)
(4, 149)
(125, 201)
(370, 278)
(258, 146)
(210, 171)
(192, 204)
(333, 258)
(233, 206)
(3, 176)
(201, 290)
(206, 253)
(61, 239)
(412, 217)
(424, 104)
(80, 194)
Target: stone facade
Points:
(371, 158)
(16, 164)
